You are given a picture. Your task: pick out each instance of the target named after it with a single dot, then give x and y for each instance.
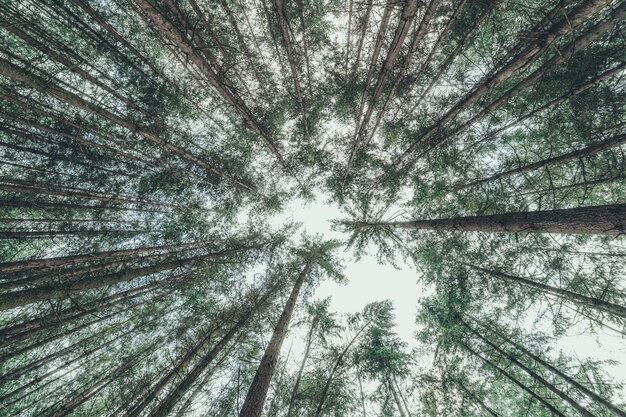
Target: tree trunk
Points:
(597, 220)
(255, 399)
(614, 142)
(582, 410)
(29, 296)
(21, 266)
(231, 97)
(478, 400)
(555, 370)
(9, 70)
(396, 397)
(174, 396)
(574, 19)
(578, 299)
(320, 404)
(296, 385)
(515, 381)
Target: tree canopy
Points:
(150, 151)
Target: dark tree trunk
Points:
(255, 399)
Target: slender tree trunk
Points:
(396, 397)
(555, 370)
(27, 265)
(614, 142)
(296, 385)
(335, 368)
(578, 299)
(175, 395)
(578, 407)
(478, 400)
(255, 399)
(230, 96)
(597, 220)
(29, 296)
(364, 25)
(515, 381)
(283, 25)
(9, 70)
(408, 14)
(574, 19)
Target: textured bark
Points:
(380, 37)
(255, 399)
(230, 96)
(283, 25)
(30, 264)
(563, 55)
(174, 396)
(597, 220)
(418, 37)
(578, 299)
(406, 19)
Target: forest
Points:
(152, 153)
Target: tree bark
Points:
(515, 381)
(556, 371)
(255, 399)
(574, 19)
(333, 371)
(597, 220)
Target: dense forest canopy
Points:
(150, 151)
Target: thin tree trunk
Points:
(27, 265)
(555, 370)
(614, 142)
(255, 399)
(335, 368)
(29, 296)
(478, 400)
(9, 70)
(396, 397)
(296, 385)
(231, 97)
(574, 19)
(578, 299)
(515, 381)
(578, 407)
(175, 395)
